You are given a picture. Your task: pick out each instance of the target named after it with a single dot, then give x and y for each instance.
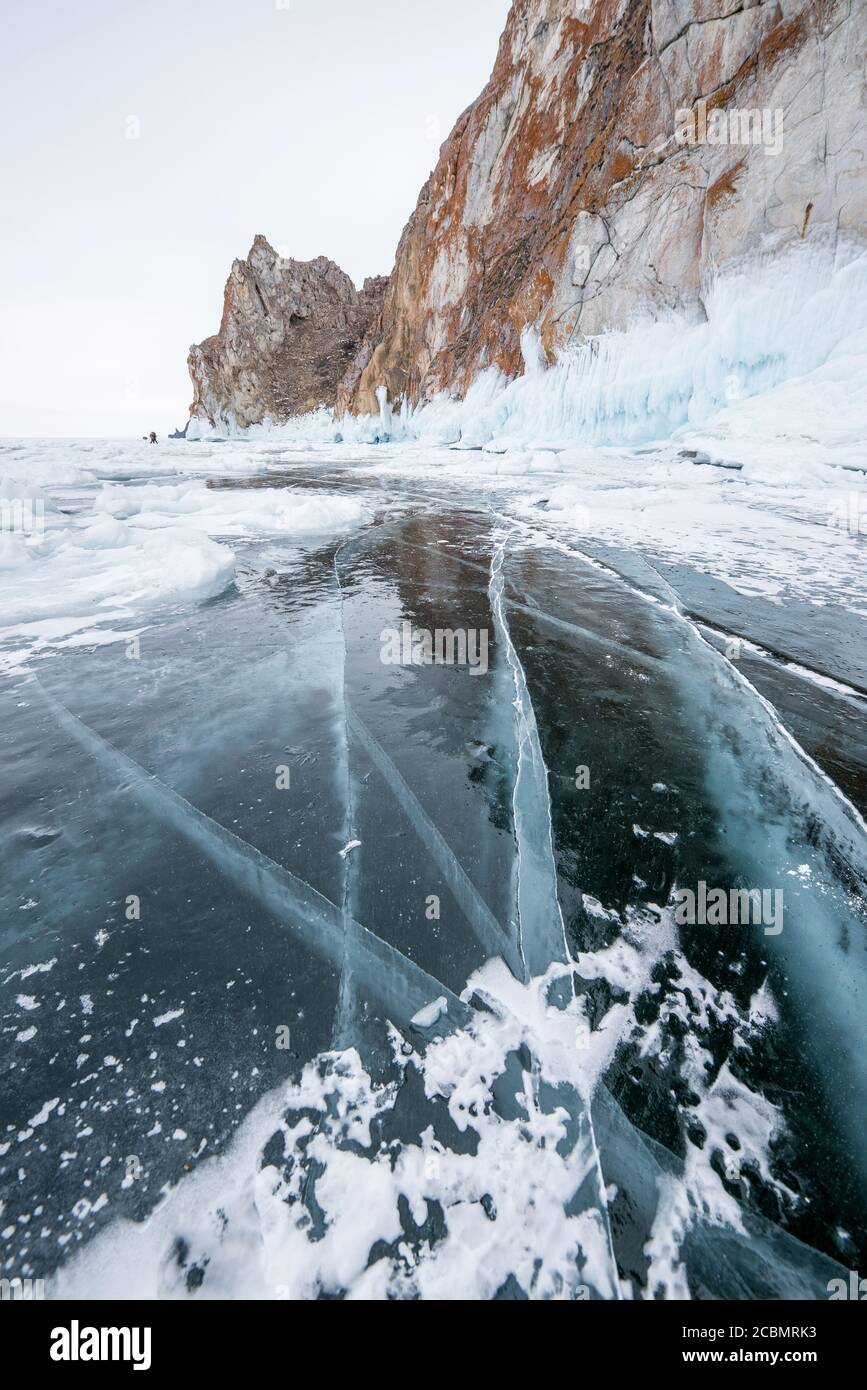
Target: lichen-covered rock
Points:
(622, 152)
(289, 331)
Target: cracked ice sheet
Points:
(789, 524)
(402, 987)
(508, 1206)
(683, 1205)
(73, 582)
(230, 511)
(765, 533)
(726, 1107)
(541, 920)
(126, 551)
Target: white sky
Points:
(315, 122)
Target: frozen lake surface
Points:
(330, 975)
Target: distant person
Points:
(153, 436)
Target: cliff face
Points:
(622, 151)
(289, 331)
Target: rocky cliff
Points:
(289, 330)
(622, 152)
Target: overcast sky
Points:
(144, 145)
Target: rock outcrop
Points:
(288, 333)
(622, 152)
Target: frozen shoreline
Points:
(774, 354)
(139, 529)
(734, 443)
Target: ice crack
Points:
(401, 986)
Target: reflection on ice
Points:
(551, 1091)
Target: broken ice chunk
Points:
(427, 1017)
